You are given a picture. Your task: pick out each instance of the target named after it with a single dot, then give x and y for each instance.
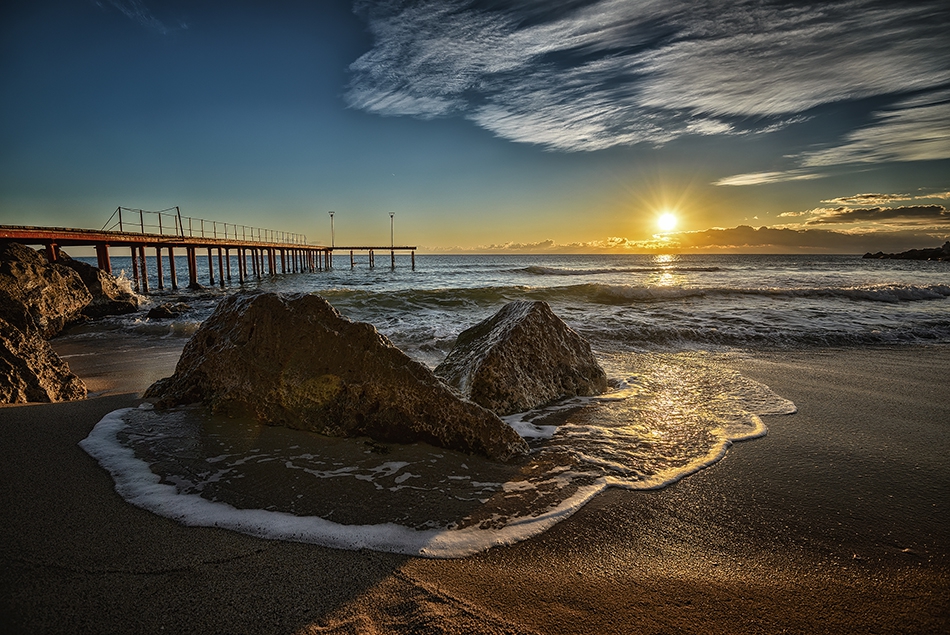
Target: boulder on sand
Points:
(108, 296)
(295, 361)
(521, 358)
(30, 371)
(52, 295)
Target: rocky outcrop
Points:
(295, 361)
(521, 358)
(30, 371)
(52, 295)
(108, 296)
(167, 311)
(939, 253)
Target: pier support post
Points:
(210, 266)
(412, 254)
(171, 268)
(352, 262)
(144, 268)
(158, 267)
(192, 258)
(392, 258)
(220, 268)
(52, 252)
(135, 269)
(227, 261)
(102, 256)
(372, 261)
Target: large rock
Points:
(521, 358)
(52, 295)
(108, 295)
(295, 361)
(31, 371)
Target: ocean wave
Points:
(538, 270)
(622, 294)
(598, 293)
(749, 335)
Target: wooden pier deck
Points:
(259, 252)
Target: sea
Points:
(669, 330)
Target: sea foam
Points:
(667, 416)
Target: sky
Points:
(487, 126)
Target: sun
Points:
(666, 222)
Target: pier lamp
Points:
(392, 234)
(331, 230)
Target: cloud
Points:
(868, 199)
(136, 11)
(741, 239)
(912, 130)
(788, 240)
(591, 74)
(761, 178)
(918, 214)
(915, 129)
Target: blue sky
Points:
(488, 126)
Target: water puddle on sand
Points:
(666, 416)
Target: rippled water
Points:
(660, 326)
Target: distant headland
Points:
(939, 253)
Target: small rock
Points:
(521, 358)
(167, 310)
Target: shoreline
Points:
(833, 522)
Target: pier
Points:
(259, 251)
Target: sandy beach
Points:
(835, 522)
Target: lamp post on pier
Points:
(331, 230)
(392, 240)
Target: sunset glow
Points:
(490, 127)
(666, 222)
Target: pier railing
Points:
(170, 222)
(269, 251)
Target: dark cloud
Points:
(868, 199)
(586, 75)
(785, 240)
(928, 214)
(741, 239)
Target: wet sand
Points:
(835, 522)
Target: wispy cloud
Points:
(136, 11)
(762, 178)
(915, 129)
(590, 74)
